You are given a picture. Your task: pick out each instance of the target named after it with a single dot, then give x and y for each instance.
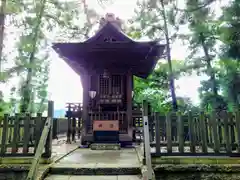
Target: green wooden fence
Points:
(215, 134)
(20, 134)
(201, 134)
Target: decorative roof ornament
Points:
(110, 17)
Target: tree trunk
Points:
(2, 23)
(27, 87)
(210, 70)
(171, 77)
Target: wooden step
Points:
(102, 146)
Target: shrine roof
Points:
(111, 47)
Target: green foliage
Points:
(229, 78)
(3, 105)
(229, 31)
(202, 38)
(155, 19)
(155, 88)
(36, 23)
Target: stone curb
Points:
(95, 171)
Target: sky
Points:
(65, 86)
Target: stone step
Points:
(113, 171)
(101, 146)
(74, 177)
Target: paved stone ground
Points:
(62, 177)
(87, 158)
(100, 158)
(60, 148)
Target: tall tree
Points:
(27, 89)
(202, 41)
(158, 20)
(2, 23)
(229, 66)
(156, 87)
(168, 52)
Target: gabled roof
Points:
(108, 30)
(111, 46)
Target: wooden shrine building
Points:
(106, 63)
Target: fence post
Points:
(237, 117)
(214, 125)
(55, 128)
(69, 117)
(192, 133)
(74, 129)
(147, 141)
(157, 133)
(48, 146)
(4, 135)
(180, 132)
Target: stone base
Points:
(89, 138)
(101, 146)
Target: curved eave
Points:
(74, 65)
(67, 50)
(150, 62)
(81, 49)
(73, 54)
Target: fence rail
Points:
(195, 135)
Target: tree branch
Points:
(7, 74)
(196, 8)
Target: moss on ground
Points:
(198, 176)
(195, 160)
(198, 168)
(22, 160)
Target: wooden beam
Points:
(41, 145)
(85, 85)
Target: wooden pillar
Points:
(129, 98)
(48, 145)
(85, 86)
(147, 148)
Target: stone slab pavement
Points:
(66, 177)
(60, 148)
(100, 158)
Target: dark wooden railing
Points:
(74, 121)
(20, 134)
(215, 134)
(60, 127)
